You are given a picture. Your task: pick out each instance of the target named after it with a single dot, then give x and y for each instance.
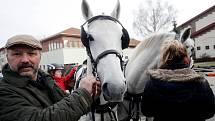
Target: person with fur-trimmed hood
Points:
(175, 92)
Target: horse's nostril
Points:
(105, 87)
(105, 90)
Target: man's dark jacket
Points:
(22, 99)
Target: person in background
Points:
(55, 70)
(29, 94)
(176, 92)
(80, 73)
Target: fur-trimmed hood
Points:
(178, 75)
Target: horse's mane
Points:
(145, 56)
(153, 42)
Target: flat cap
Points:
(23, 40)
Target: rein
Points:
(134, 99)
(105, 108)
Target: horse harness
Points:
(102, 109)
(86, 38)
(134, 99)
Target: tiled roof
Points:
(71, 31)
(198, 16)
(68, 32)
(203, 30)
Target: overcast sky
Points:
(42, 18)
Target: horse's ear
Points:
(115, 13)
(186, 34)
(86, 12)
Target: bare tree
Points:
(155, 16)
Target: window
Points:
(74, 43)
(49, 47)
(61, 45)
(207, 47)
(54, 45)
(198, 48)
(214, 46)
(65, 43)
(58, 45)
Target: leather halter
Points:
(105, 53)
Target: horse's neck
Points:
(136, 72)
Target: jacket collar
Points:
(177, 75)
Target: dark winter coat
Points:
(22, 99)
(177, 95)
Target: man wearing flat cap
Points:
(29, 94)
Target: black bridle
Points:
(95, 62)
(134, 99)
(105, 108)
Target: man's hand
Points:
(91, 85)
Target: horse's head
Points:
(189, 43)
(104, 38)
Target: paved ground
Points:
(211, 80)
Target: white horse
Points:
(104, 38)
(146, 56)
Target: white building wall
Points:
(54, 56)
(207, 39)
(75, 55)
(63, 56)
(210, 18)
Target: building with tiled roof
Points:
(63, 48)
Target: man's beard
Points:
(26, 69)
